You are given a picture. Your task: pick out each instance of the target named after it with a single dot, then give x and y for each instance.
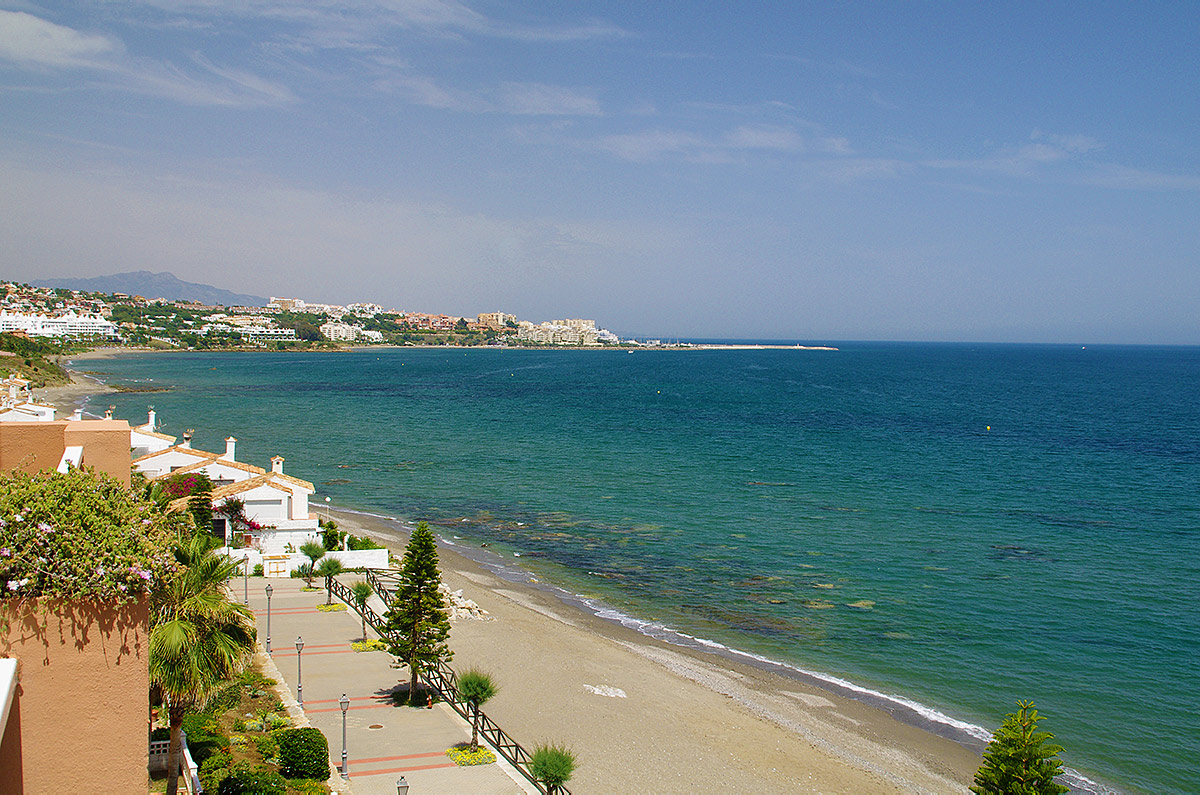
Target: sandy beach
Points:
(647, 716)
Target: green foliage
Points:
(80, 534)
(246, 780)
(331, 608)
(267, 746)
(258, 570)
(361, 542)
(331, 537)
(552, 765)
(204, 736)
(32, 359)
(475, 687)
(303, 753)
(329, 568)
(417, 625)
(1020, 760)
(305, 572)
(214, 770)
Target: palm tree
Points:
(199, 637)
(475, 687)
(314, 552)
(329, 568)
(361, 592)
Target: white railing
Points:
(189, 771)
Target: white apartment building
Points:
(68, 325)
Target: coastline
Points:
(688, 717)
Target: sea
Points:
(947, 527)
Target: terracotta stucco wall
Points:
(35, 446)
(80, 720)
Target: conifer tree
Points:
(1020, 760)
(417, 625)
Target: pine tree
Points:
(1020, 760)
(417, 625)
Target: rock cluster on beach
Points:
(458, 606)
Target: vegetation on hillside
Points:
(33, 359)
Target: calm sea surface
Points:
(845, 512)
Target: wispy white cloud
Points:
(517, 99)
(333, 24)
(538, 99)
(1066, 159)
(651, 145)
(43, 47)
(27, 40)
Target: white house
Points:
(145, 440)
(166, 461)
(17, 403)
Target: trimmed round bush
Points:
(303, 753)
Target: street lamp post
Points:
(269, 589)
(401, 786)
(344, 703)
(246, 580)
(299, 678)
(326, 510)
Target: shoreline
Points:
(907, 744)
(782, 729)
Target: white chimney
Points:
(151, 417)
(77, 415)
(277, 464)
(187, 439)
(230, 446)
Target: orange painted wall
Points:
(35, 446)
(80, 722)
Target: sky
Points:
(1010, 172)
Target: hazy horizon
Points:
(927, 172)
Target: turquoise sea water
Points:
(845, 512)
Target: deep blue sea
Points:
(957, 525)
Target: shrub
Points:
(214, 770)
(267, 746)
(360, 542)
(258, 570)
(337, 607)
(303, 753)
(247, 780)
(204, 737)
(80, 534)
(161, 733)
(552, 765)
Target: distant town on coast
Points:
(177, 320)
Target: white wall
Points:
(351, 559)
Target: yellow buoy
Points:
(989, 427)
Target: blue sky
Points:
(907, 170)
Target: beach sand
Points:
(687, 721)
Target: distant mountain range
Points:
(156, 285)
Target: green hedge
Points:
(303, 753)
(247, 780)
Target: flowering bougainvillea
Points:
(80, 534)
(185, 484)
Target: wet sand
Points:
(646, 716)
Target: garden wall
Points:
(80, 719)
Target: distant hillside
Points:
(156, 285)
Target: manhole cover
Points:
(375, 726)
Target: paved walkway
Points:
(384, 742)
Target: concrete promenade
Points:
(384, 742)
